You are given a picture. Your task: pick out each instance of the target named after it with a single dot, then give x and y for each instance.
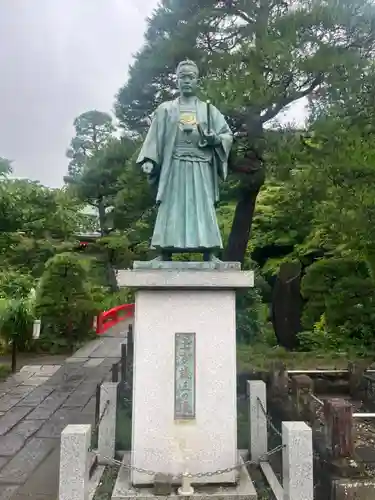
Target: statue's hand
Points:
(148, 167)
(209, 138)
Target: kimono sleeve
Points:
(152, 148)
(222, 151)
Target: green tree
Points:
(93, 130)
(64, 302)
(257, 58)
(5, 167)
(35, 223)
(98, 185)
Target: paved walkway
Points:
(35, 406)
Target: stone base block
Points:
(162, 439)
(190, 265)
(243, 490)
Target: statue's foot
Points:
(210, 257)
(207, 256)
(214, 259)
(157, 259)
(166, 256)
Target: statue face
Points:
(187, 79)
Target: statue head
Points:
(187, 77)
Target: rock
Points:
(162, 484)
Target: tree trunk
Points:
(287, 305)
(241, 227)
(111, 274)
(251, 171)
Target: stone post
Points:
(258, 443)
(107, 421)
(338, 416)
(356, 380)
(298, 481)
(279, 381)
(74, 462)
(302, 388)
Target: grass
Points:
(260, 357)
(4, 371)
(107, 483)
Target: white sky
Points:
(59, 58)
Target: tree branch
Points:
(275, 109)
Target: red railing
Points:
(107, 319)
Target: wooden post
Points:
(115, 372)
(130, 356)
(123, 363)
(97, 404)
(14, 355)
(338, 415)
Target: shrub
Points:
(250, 315)
(64, 302)
(16, 323)
(340, 308)
(13, 284)
(318, 282)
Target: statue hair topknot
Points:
(187, 62)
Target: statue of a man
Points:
(185, 154)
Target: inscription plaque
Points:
(184, 406)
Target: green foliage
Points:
(16, 322)
(13, 284)
(340, 291)
(351, 310)
(319, 281)
(258, 59)
(250, 316)
(93, 130)
(124, 296)
(65, 302)
(5, 167)
(320, 339)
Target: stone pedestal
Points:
(197, 301)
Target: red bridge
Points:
(108, 319)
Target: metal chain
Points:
(97, 424)
(268, 418)
(217, 472)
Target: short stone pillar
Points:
(107, 422)
(338, 416)
(302, 389)
(258, 443)
(279, 381)
(298, 483)
(357, 383)
(74, 462)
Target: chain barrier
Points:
(217, 472)
(268, 418)
(95, 428)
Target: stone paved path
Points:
(35, 406)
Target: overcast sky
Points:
(59, 58)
